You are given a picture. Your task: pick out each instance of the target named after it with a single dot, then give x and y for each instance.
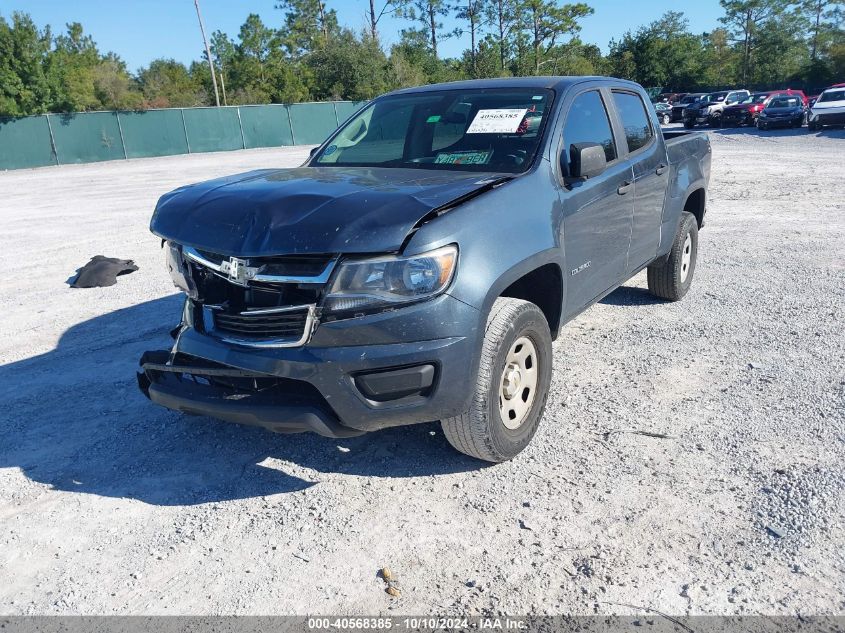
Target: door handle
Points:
(661, 169)
(624, 188)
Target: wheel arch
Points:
(539, 280)
(696, 202)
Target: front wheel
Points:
(689, 125)
(672, 279)
(511, 387)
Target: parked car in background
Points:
(829, 109)
(669, 97)
(708, 110)
(745, 112)
(679, 105)
(782, 111)
(664, 112)
(789, 91)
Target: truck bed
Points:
(682, 144)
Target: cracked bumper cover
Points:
(322, 387)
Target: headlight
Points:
(179, 271)
(385, 281)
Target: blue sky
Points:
(142, 30)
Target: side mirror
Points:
(313, 151)
(586, 160)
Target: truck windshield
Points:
(472, 130)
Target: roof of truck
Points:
(559, 83)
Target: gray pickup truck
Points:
(419, 265)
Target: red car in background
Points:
(746, 112)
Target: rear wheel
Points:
(689, 124)
(671, 280)
(511, 387)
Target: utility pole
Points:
(208, 53)
(223, 84)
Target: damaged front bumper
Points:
(354, 375)
(201, 389)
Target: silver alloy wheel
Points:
(518, 383)
(686, 258)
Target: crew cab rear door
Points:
(596, 211)
(642, 146)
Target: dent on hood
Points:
(310, 210)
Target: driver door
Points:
(597, 212)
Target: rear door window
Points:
(635, 119)
(587, 122)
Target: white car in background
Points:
(709, 108)
(829, 109)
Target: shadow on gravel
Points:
(74, 419)
(630, 296)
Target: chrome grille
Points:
(306, 269)
(276, 327)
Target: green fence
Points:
(84, 137)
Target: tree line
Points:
(307, 55)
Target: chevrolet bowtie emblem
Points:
(238, 271)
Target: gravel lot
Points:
(111, 505)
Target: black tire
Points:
(670, 280)
(812, 126)
(481, 432)
(689, 125)
(761, 125)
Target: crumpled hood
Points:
(308, 210)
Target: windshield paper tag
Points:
(463, 158)
(496, 121)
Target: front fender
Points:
(501, 236)
(497, 233)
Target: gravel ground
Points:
(734, 503)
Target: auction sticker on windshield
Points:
(501, 121)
